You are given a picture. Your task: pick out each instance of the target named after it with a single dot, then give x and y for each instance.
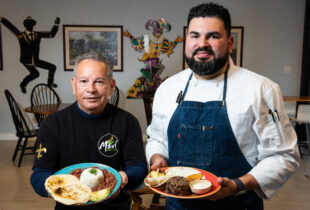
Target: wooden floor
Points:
(16, 192)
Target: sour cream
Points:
(200, 186)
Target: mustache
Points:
(203, 49)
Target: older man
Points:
(77, 133)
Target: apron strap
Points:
(185, 90)
(182, 95)
(225, 86)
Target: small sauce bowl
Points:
(200, 186)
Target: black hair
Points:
(211, 10)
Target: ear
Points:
(73, 81)
(230, 43)
(112, 85)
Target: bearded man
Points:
(221, 118)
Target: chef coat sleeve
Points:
(278, 156)
(157, 131)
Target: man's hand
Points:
(123, 184)
(124, 178)
(57, 21)
(158, 161)
(228, 188)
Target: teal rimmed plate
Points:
(69, 169)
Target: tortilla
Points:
(156, 181)
(181, 171)
(67, 189)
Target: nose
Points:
(91, 87)
(203, 42)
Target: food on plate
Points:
(181, 171)
(177, 185)
(179, 181)
(109, 180)
(92, 177)
(67, 189)
(156, 178)
(157, 173)
(55, 181)
(156, 181)
(194, 177)
(200, 186)
(99, 195)
(81, 185)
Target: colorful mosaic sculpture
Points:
(152, 45)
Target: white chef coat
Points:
(267, 139)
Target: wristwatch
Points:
(240, 186)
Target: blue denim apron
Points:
(200, 136)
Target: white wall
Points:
(272, 41)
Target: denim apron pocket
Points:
(195, 145)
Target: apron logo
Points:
(108, 145)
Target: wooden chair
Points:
(43, 94)
(135, 195)
(303, 117)
(148, 103)
(115, 97)
(22, 129)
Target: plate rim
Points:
(91, 164)
(191, 196)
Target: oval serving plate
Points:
(69, 169)
(206, 175)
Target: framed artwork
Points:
(237, 34)
(236, 55)
(185, 66)
(1, 60)
(80, 39)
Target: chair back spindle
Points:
(43, 94)
(114, 97)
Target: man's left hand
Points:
(124, 178)
(228, 188)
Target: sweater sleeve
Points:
(136, 174)
(38, 178)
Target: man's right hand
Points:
(158, 161)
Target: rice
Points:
(91, 177)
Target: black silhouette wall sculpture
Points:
(29, 42)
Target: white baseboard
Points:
(8, 136)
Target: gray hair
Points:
(97, 57)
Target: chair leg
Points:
(156, 198)
(23, 151)
(300, 151)
(17, 148)
(308, 141)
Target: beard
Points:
(203, 67)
